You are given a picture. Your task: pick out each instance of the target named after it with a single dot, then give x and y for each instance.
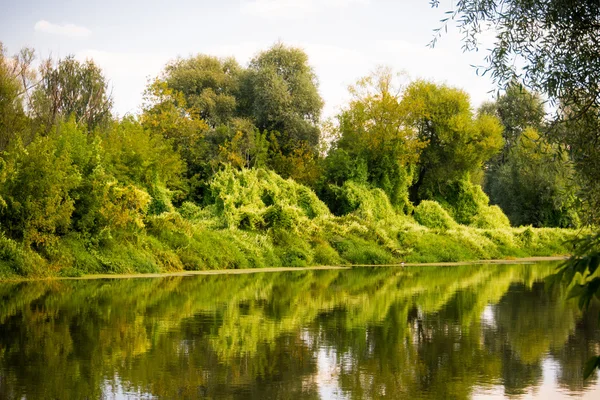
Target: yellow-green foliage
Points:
(258, 219)
(258, 198)
(490, 217)
(463, 200)
(363, 201)
(432, 215)
(36, 193)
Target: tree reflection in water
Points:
(422, 332)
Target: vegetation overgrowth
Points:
(548, 54)
(231, 167)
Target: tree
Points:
(36, 190)
(373, 135)
(210, 86)
(280, 93)
(458, 143)
(518, 109)
(13, 76)
(266, 114)
(72, 88)
(535, 184)
(140, 157)
(550, 46)
(531, 179)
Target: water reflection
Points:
(421, 333)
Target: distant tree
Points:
(265, 115)
(518, 109)
(373, 135)
(210, 86)
(535, 186)
(72, 89)
(280, 93)
(458, 143)
(15, 75)
(531, 179)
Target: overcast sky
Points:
(131, 40)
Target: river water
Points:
(460, 332)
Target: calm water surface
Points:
(417, 333)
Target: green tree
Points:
(535, 186)
(550, 47)
(166, 114)
(532, 180)
(72, 89)
(518, 109)
(13, 120)
(139, 157)
(458, 143)
(280, 93)
(374, 137)
(210, 86)
(37, 203)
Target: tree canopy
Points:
(551, 46)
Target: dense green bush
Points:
(360, 199)
(463, 200)
(258, 198)
(490, 217)
(432, 215)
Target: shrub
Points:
(490, 217)
(463, 200)
(245, 198)
(36, 194)
(432, 215)
(292, 250)
(360, 199)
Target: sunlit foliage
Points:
(224, 168)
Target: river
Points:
(452, 332)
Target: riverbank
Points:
(259, 220)
(524, 260)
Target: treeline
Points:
(229, 166)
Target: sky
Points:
(132, 40)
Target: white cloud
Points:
(70, 30)
(293, 8)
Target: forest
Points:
(232, 166)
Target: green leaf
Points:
(594, 262)
(590, 367)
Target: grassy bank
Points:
(257, 219)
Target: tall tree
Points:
(551, 46)
(458, 143)
(518, 109)
(531, 179)
(281, 94)
(14, 83)
(373, 133)
(71, 88)
(210, 85)
(535, 185)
